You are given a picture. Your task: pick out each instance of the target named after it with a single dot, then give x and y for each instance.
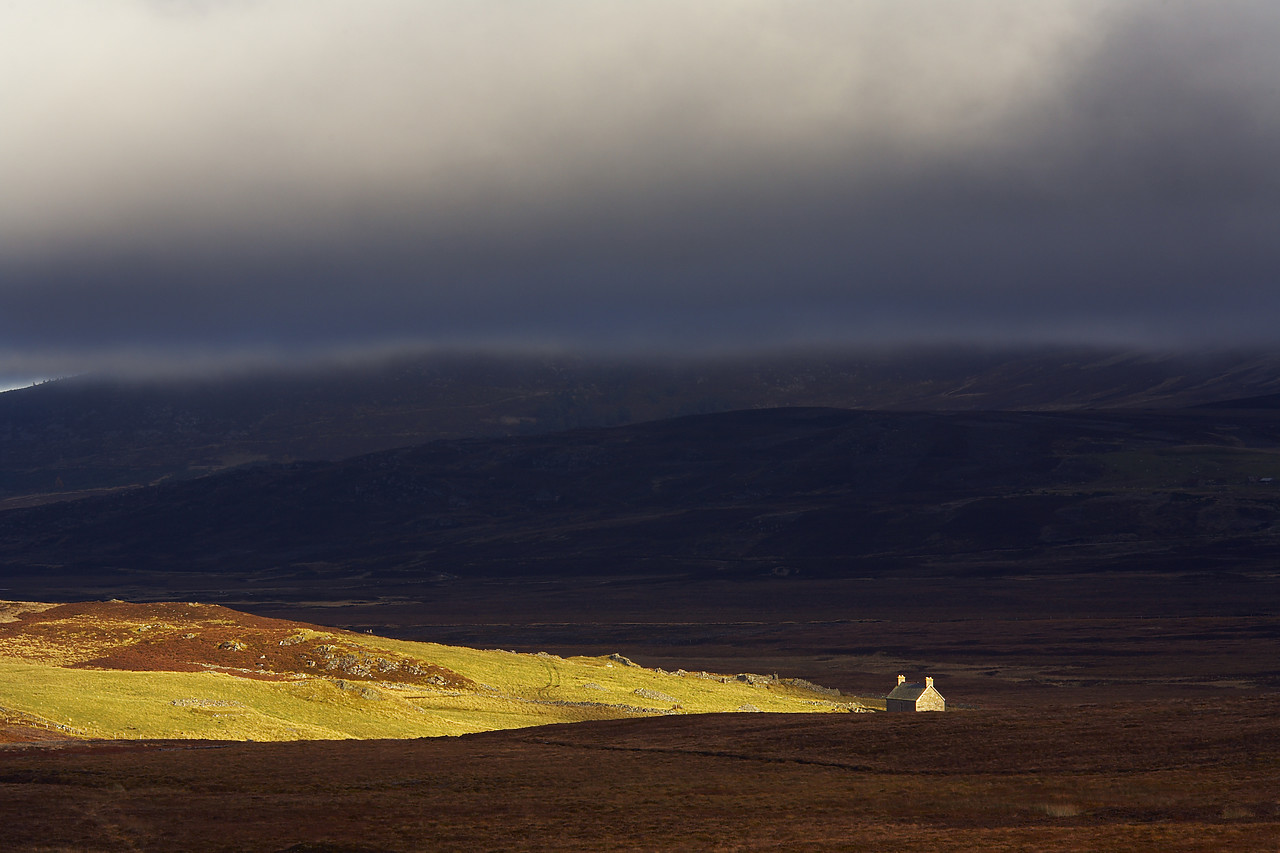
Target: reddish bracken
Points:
(176, 637)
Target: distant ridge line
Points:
(1265, 401)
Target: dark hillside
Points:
(64, 439)
(822, 492)
(1266, 401)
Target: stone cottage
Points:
(915, 697)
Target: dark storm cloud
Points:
(207, 180)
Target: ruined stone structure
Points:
(915, 697)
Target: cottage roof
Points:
(910, 692)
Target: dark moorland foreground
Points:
(1180, 775)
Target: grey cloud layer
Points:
(219, 176)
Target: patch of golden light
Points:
(11, 611)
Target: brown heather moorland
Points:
(1179, 775)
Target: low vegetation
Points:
(1182, 775)
(117, 670)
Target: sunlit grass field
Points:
(69, 673)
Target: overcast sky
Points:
(221, 179)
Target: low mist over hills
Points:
(60, 439)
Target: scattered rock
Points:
(749, 708)
(361, 690)
(752, 678)
(655, 695)
(809, 685)
(232, 645)
(617, 658)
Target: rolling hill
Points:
(819, 492)
(64, 439)
(185, 670)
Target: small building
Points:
(915, 697)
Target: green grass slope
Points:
(117, 670)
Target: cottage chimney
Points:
(928, 681)
(902, 679)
